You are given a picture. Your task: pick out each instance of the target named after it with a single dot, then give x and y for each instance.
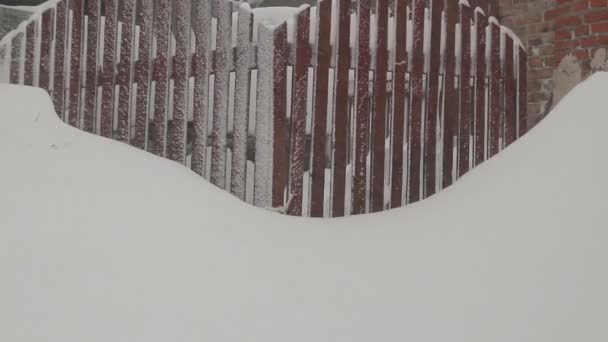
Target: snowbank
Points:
(101, 242)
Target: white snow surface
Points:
(102, 242)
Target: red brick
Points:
(563, 35)
(597, 16)
(598, 3)
(599, 28)
(540, 74)
(535, 62)
(568, 21)
(566, 44)
(554, 13)
(582, 30)
(580, 6)
(594, 41)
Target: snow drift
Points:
(102, 242)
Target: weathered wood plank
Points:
(17, 60)
(125, 75)
(466, 117)
(162, 29)
(298, 119)
(76, 62)
(47, 35)
(481, 23)
(323, 53)
(510, 93)
(523, 93)
(90, 93)
(30, 54)
(495, 98)
(142, 73)
(450, 115)
(106, 122)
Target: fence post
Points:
(124, 78)
(47, 34)
(450, 114)
(30, 54)
(161, 77)
(523, 92)
(75, 62)
(481, 22)
(109, 64)
(298, 117)
(142, 73)
(464, 136)
(510, 92)
(90, 103)
(495, 74)
(241, 102)
(399, 97)
(319, 125)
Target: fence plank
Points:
(379, 113)
(450, 115)
(495, 107)
(280, 134)
(90, 96)
(415, 122)
(125, 66)
(220, 97)
(481, 22)
(47, 34)
(75, 62)
(30, 51)
(298, 118)
(399, 96)
(16, 59)
(241, 103)
(161, 77)
(430, 142)
(362, 109)
(142, 74)
(323, 53)
(106, 122)
(341, 110)
(464, 136)
(202, 30)
(523, 93)
(510, 93)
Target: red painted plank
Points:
(107, 77)
(142, 73)
(341, 109)
(379, 113)
(90, 96)
(510, 93)
(298, 124)
(124, 77)
(241, 102)
(415, 123)
(523, 92)
(430, 136)
(161, 76)
(44, 80)
(60, 51)
(481, 23)
(323, 50)
(464, 136)
(280, 134)
(495, 98)
(75, 62)
(16, 59)
(450, 115)
(30, 50)
(220, 98)
(362, 108)
(201, 63)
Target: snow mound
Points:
(102, 242)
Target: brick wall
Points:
(566, 41)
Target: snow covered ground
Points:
(102, 242)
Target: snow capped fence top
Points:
(333, 110)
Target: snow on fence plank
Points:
(90, 94)
(495, 90)
(201, 64)
(161, 77)
(522, 120)
(362, 105)
(376, 45)
(323, 54)
(481, 22)
(415, 123)
(464, 136)
(241, 102)
(109, 60)
(379, 113)
(399, 96)
(432, 99)
(144, 20)
(298, 119)
(510, 93)
(30, 54)
(340, 127)
(47, 34)
(223, 52)
(75, 60)
(450, 116)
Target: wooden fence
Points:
(340, 109)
